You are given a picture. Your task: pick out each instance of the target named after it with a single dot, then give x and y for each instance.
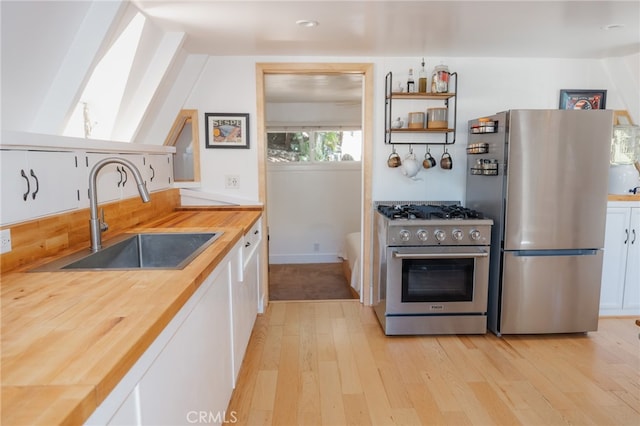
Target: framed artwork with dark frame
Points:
(226, 130)
(583, 99)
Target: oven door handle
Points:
(438, 255)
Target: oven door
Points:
(437, 280)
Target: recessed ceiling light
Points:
(307, 23)
(613, 27)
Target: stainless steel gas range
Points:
(431, 268)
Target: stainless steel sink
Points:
(138, 251)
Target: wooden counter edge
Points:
(615, 197)
(222, 208)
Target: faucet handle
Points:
(103, 225)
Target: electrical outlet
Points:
(5, 240)
(232, 181)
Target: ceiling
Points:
(508, 28)
(551, 29)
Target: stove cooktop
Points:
(431, 224)
(427, 211)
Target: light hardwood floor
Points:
(328, 363)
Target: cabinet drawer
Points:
(251, 241)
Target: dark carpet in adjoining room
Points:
(308, 281)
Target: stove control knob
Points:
(474, 234)
(457, 234)
(422, 235)
(405, 235)
(440, 235)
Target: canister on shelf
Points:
(416, 120)
(437, 118)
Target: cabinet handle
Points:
(120, 172)
(256, 232)
(247, 244)
(626, 236)
(153, 172)
(33, 175)
(126, 177)
(633, 232)
(24, 175)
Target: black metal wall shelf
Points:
(421, 136)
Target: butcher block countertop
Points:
(630, 197)
(69, 337)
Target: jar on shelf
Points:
(416, 120)
(437, 118)
(440, 79)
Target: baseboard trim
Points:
(303, 258)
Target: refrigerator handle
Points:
(626, 236)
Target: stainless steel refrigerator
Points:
(541, 175)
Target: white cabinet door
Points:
(57, 180)
(631, 298)
(245, 309)
(38, 183)
(192, 374)
(129, 412)
(614, 260)
(129, 185)
(114, 181)
(159, 171)
(16, 186)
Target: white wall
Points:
(311, 209)
(227, 85)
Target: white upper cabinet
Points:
(38, 183)
(114, 181)
(158, 171)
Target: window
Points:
(314, 146)
(95, 114)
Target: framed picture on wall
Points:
(226, 130)
(583, 99)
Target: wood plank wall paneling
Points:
(49, 236)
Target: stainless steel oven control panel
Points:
(449, 234)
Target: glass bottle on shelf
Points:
(411, 85)
(422, 79)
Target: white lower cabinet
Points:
(186, 375)
(129, 412)
(244, 296)
(192, 375)
(620, 292)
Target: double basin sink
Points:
(138, 252)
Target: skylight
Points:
(95, 114)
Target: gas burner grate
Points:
(427, 211)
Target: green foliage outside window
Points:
(313, 146)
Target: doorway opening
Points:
(315, 187)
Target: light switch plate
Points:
(5, 241)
